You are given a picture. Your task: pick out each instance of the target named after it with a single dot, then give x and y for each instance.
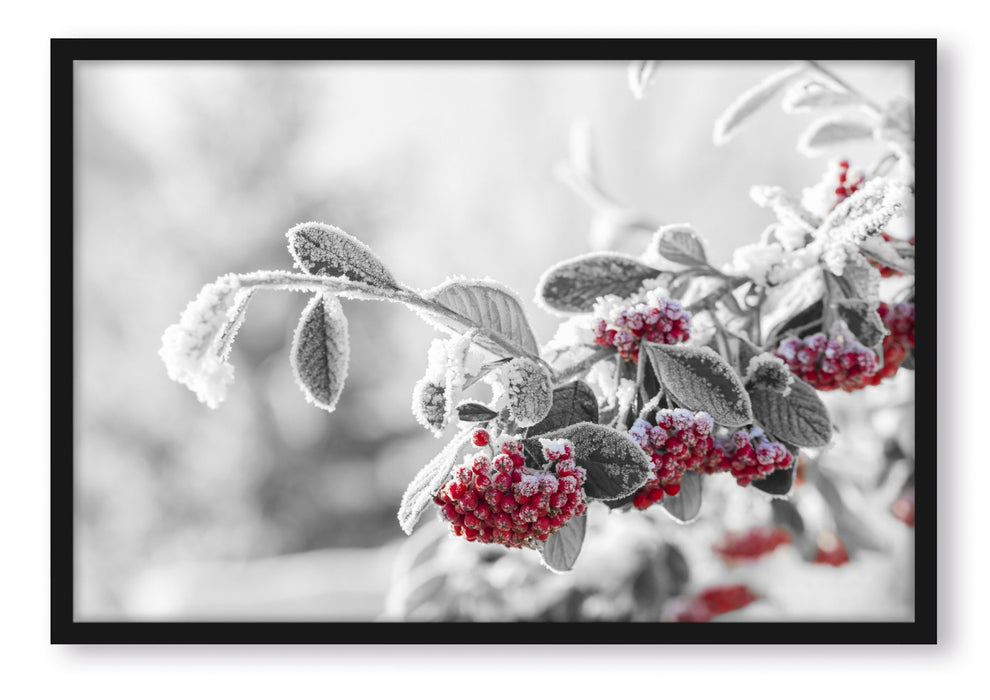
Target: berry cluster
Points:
(657, 319)
(501, 500)
(680, 440)
(884, 270)
(709, 602)
(839, 362)
(846, 184)
(748, 456)
(737, 547)
(899, 320)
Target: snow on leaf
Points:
(321, 351)
(474, 412)
(832, 131)
(530, 391)
(419, 494)
(767, 371)
(806, 95)
(887, 254)
(800, 417)
(701, 380)
(573, 286)
(572, 403)
(744, 106)
(486, 304)
(859, 217)
(787, 208)
(684, 507)
(431, 404)
(321, 249)
(616, 465)
(235, 317)
(640, 74)
(562, 548)
(680, 243)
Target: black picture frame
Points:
(65, 629)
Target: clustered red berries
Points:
(682, 440)
(708, 603)
(501, 500)
(839, 362)
(658, 320)
(748, 456)
(737, 547)
(679, 441)
(846, 185)
(899, 320)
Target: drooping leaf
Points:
(808, 320)
(473, 412)
(572, 403)
(572, 286)
(616, 465)
(235, 317)
(800, 417)
(865, 323)
(321, 249)
(859, 280)
(831, 132)
(744, 106)
(700, 380)
(680, 243)
(786, 514)
(806, 95)
(779, 483)
(427, 482)
(685, 506)
(562, 548)
(488, 305)
(321, 351)
(530, 391)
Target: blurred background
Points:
(268, 508)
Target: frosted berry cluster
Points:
(751, 544)
(748, 456)
(899, 320)
(839, 362)
(708, 603)
(498, 499)
(658, 320)
(680, 440)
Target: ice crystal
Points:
(191, 348)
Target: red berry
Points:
(480, 437)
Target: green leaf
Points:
(572, 403)
(487, 305)
(680, 244)
(701, 380)
(427, 482)
(572, 286)
(320, 351)
(616, 465)
(685, 506)
(473, 412)
(562, 548)
(320, 249)
(800, 417)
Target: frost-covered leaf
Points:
(898, 115)
(700, 380)
(865, 212)
(488, 305)
(321, 249)
(860, 280)
(685, 505)
(786, 207)
(616, 465)
(864, 322)
(832, 131)
(808, 320)
(431, 404)
(639, 74)
(779, 483)
(572, 286)
(680, 243)
(235, 317)
(321, 351)
(572, 403)
(800, 418)
(562, 548)
(732, 119)
(806, 95)
(530, 391)
(889, 254)
(424, 486)
(767, 371)
(473, 412)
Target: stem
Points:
(731, 285)
(867, 102)
(582, 366)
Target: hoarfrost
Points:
(530, 391)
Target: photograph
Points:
(649, 355)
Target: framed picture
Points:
(650, 362)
